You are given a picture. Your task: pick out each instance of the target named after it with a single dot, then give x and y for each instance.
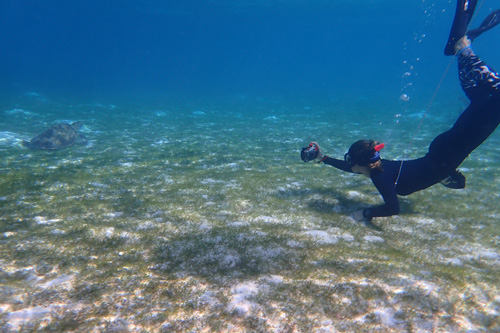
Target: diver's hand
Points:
(320, 156)
(359, 217)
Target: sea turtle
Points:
(58, 136)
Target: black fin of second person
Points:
(463, 15)
(492, 20)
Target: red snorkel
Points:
(376, 155)
(379, 147)
(365, 155)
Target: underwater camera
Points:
(309, 153)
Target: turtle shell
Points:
(57, 137)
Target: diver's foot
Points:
(492, 20)
(463, 15)
(456, 180)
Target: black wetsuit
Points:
(448, 150)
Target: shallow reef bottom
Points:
(203, 219)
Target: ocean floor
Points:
(189, 218)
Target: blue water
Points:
(188, 209)
(210, 49)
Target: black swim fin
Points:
(463, 15)
(492, 20)
(456, 180)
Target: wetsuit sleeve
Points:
(339, 164)
(386, 187)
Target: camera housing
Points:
(309, 153)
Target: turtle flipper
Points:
(26, 143)
(83, 139)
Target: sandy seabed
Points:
(204, 219)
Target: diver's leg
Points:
(463, 15)
(482, 85)
(478, 80)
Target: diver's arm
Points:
(339, 164)
(391, 203)
(390, 208)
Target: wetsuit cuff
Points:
(465, 51)
(367, 214)
(323, 159)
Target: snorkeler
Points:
(480, 83)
